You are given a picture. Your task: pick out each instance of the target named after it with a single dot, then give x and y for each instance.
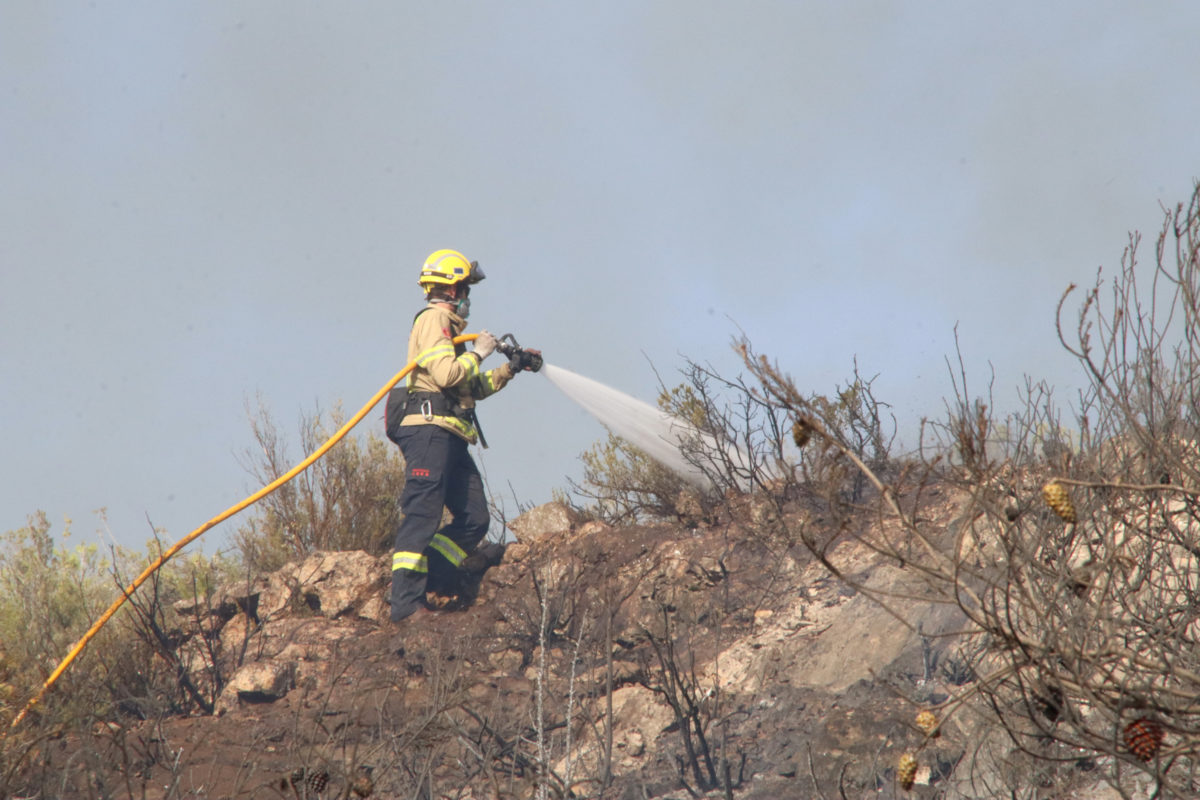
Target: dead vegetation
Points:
(1075, 561)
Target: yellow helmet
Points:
(448, 267)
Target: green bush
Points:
(49, 595)
(347, 500)
(622, 484)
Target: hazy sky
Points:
(204, 202)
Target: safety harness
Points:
(444, 405)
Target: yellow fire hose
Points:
(224, 515)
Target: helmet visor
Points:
(476, 274)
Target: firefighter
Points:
(432, 419)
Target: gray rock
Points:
(543, 521)
(256, 682)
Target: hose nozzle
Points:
(519, 358)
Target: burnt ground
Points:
(675, 662)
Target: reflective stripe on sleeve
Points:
(426, 357)
(414, 562)
(470, 363)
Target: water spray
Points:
(662, 436)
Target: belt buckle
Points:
(427, 410)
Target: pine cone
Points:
(363, 785)
(801, 432)
(1143, 737)
(927, 721)
(906, 771)
(317, 781)
(1055, 495)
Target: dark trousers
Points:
(439, 473)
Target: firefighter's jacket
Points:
(450, 369)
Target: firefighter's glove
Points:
(525, 359)
(485, 345)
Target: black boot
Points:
(486, 556)
(467, 579)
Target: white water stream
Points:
(655, 432)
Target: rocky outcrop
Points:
(628, 652)
(257, 682)
(258, 639)
(545, 520)
(330, 584)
